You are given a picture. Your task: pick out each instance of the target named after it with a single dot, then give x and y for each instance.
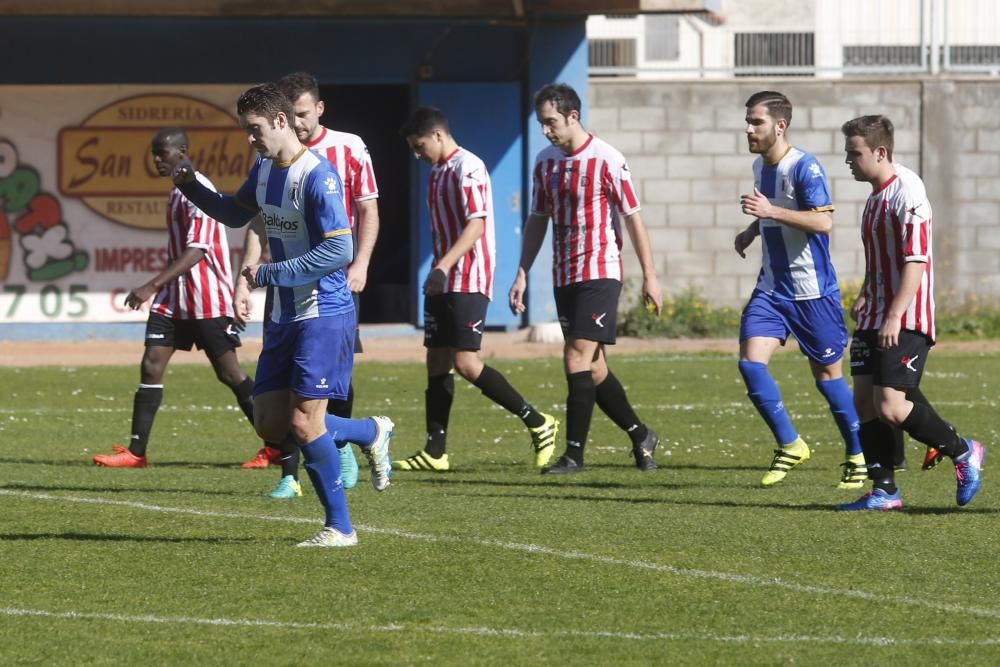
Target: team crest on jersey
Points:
(331, 185)
(293, 192)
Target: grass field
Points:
(188, 562)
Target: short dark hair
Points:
(265, 100)
(777, 104)
(562, 97)
(171, 136)
(423, 121)
(876, 130)
(297, 84)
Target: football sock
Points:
(323, 466)
(289, 456)
(438, 397)
(144, 406)
(841, 400)
(244, 396)
(359, 431)
(766, 397)
(342, 407)
(579, 411)
(924, 425)
(878, 444)
(611, 399)
(496, 388)
(898, 447)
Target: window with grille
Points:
(611, 52)
(774, 53)
(879, 56)
(986, 54)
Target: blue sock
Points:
(766, 397)
(322, 462)
(838, 395)
(359, 431)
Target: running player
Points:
(895, 321)
(584, 185)
(193, 306)
(309, 342)
(349, 155)
(458, 290)
(797, 291)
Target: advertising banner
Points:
(82, 208)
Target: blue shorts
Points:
(817, 324)
(313, 358)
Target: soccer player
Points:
(797, 291)
(193, 306)
(458, 290)
(349, 155)
(308, 349)
(894, 312)
(584, 185)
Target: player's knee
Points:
(468, 366)
(892, 411)
(752, 372)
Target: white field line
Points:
(691, 573)
(512, 633)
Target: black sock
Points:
(289, 456)
(144, 406)
(878, 446)
(579, 411)
(244, 396)
(496, 388)
(898, 447)
(925, 426)
(437, 400)
(611, 399)
(342, 407)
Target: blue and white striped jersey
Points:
(301, 202)
(796, 264)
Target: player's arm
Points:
(746, 237)
(335, 252)
(227, 209)
(253, 248)
(178, 267)
(651, 293)
(534, 234)
(367, 233)
(438, 276)
(909, 283)
(859, 300)
(818, 221)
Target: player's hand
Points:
(357, 277)
(856, 307)
(242, 303)
(888, 335)
(652, 296)
(250, 273)
(742, 242)
(516, 295)
(756, 204)
(435, 282)
(139, 296)
(183, 172)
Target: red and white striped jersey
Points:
(458, 191)
(586, 194)
(896, 229)
(350, 157)
(206, 290)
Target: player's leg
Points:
(763, 328)
(344, 408)
(901, 368)
(818, 326)
(161, 338)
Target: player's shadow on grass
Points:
(76, 463)
(94, 537)
(553, 482)
(131, 489)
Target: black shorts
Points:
(589, 310)
(455, 319)
(215, 336)
(899, 368)
(269, 306)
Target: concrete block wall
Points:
(686, 149)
